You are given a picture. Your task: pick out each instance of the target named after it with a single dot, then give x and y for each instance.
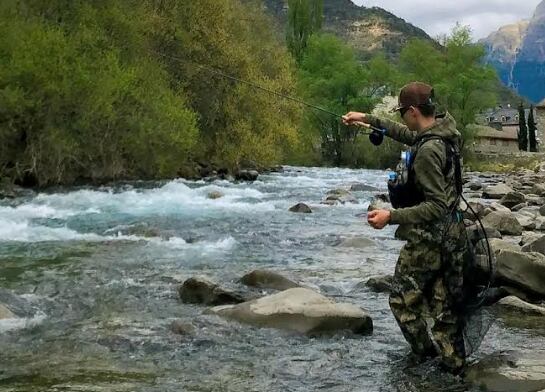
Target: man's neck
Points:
(426, 123)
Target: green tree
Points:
(304, 19)
(462, 83)
(532, 127)
(523, 130)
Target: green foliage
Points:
(304, 19)
(331, 76)
(87, 92)
(462, 83)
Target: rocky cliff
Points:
(368, 30)
(518, 53)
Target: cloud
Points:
(438, 17)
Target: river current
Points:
(93, 273)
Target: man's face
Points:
(408, 115)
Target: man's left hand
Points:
(379, 218)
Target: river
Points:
(93, 273)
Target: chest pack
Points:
(402, 187)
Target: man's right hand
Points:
(354, 118)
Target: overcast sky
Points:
(438, 16)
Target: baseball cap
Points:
(415, 94)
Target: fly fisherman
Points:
(427, 298)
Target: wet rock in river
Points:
(215, 195)
(180, 327)
(341, 196)
(513, 303)
(247, 175)
(301, 208)
(267, 280)
(509, 372)
(380, 202)
(523, 269)
(199, 290)
(5, 313)
(299, 309)
(363, 188)
(380, 284)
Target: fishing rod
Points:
(272, 92)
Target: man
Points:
(428, 280)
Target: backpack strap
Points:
(453, 158)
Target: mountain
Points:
(517, 51)
(368, 30)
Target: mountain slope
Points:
(368, 30)
(518, 53)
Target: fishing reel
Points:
(376, 137)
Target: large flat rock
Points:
(301, 310)
(524, 269)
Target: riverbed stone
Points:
(523, 269)
(247, 175)
(183, 328)
(474, 186)
(529, 236)
(509, 372)
(504, 221)
(215, 195)
(527, 222)
(497, 191)
(341, 196)
(538, 245)
(512, 199)
(268, 280)
(538, 189)
(513, 303)
(379, 202)
(5, 313)
(542, 211)
(363, 188)
(380, 284)
(200, 290)
(301, 310)
(301, 208)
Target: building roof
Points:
(508, 133)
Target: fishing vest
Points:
(404, 192)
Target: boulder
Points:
(538, 189)
(476, 207)
(357, 242)
(215, 195)
(496, 191)
(379, 203)
(199, 290)
(267, 280)
(5, 313)
(247, 175)
(301, 310)
(301, 208)
(518, 207)
(523, 269)
(380, 284)
(508, 372)
(505, 222)
(527, 222)
(475, 186)
(512, 199)
(513, 303)
(535, 200)
(498, 245)
(529, 236)
(342, 196)
(538, 245)
(542, 211)
(363, 188)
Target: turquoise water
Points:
(93, 274)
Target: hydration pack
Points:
(403, 190)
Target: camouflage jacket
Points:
(429, 165)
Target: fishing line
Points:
(218, 72)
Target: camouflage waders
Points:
(428, 289)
